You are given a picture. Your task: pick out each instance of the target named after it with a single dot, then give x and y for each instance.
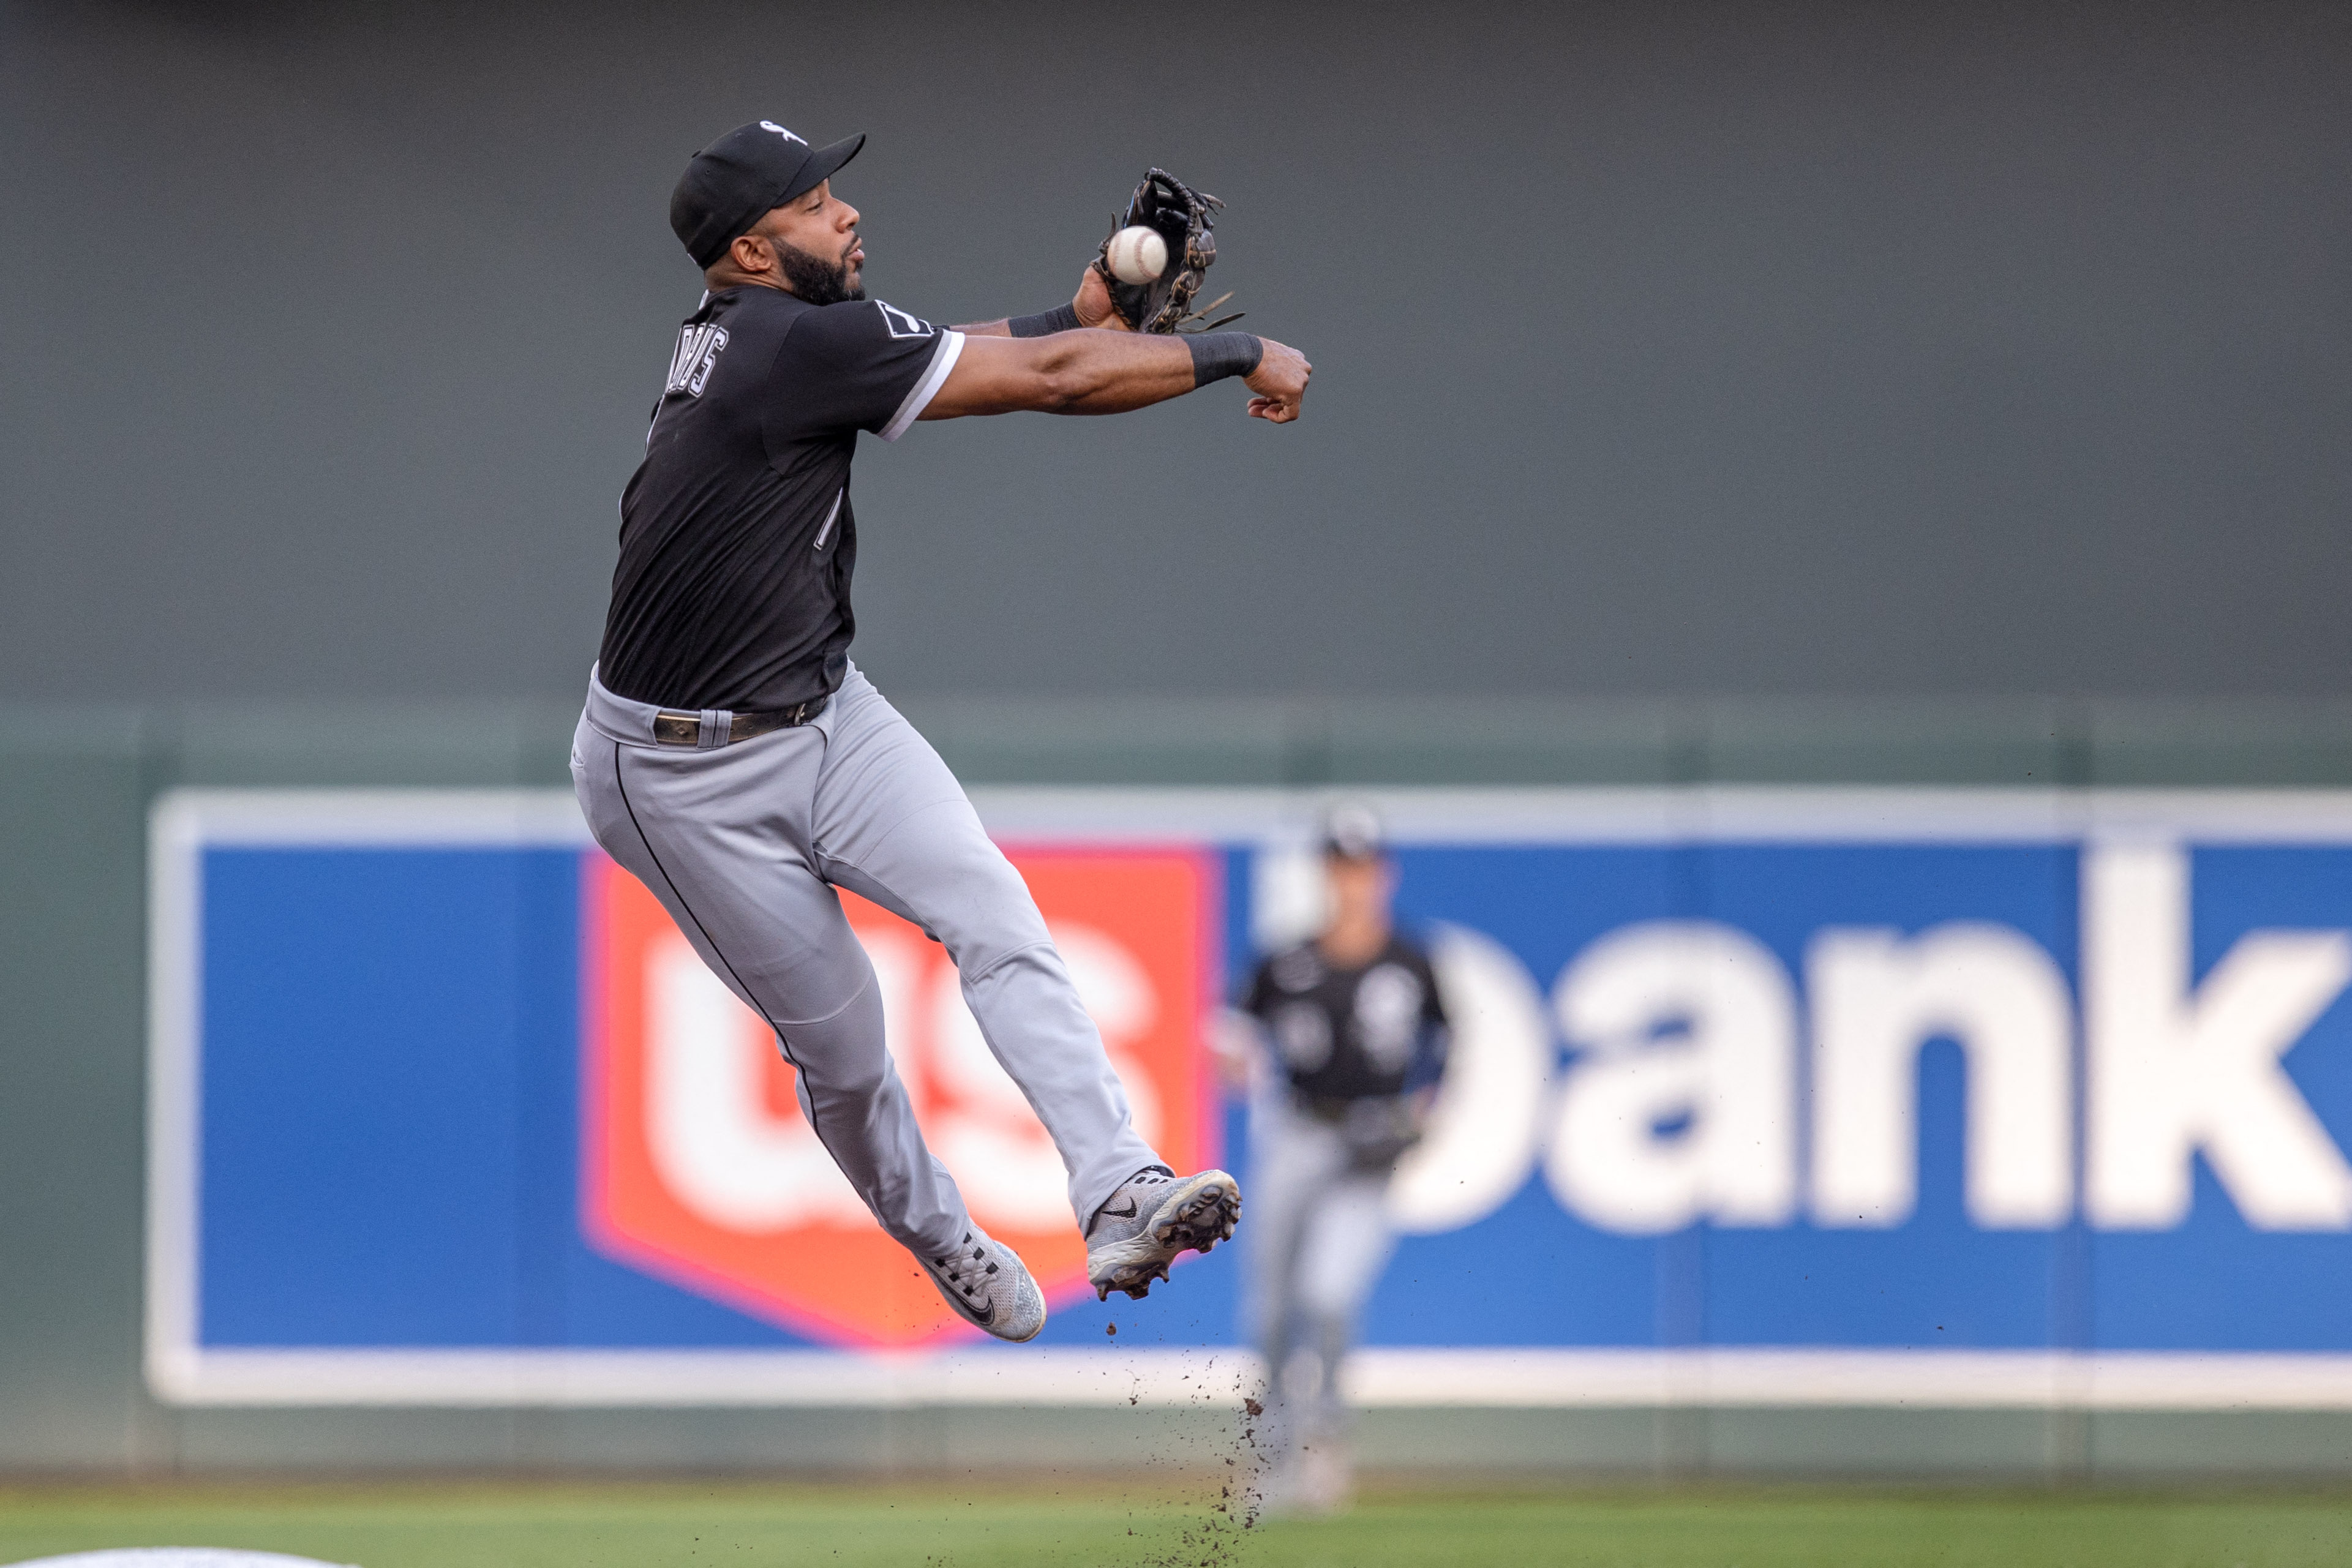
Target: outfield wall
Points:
(2089, 1298)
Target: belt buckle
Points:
(678, 728)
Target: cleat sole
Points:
(1192, 1220)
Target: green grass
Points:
(642, 1525)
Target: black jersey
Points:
(738, 537)
(1352, 1034)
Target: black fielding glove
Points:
(1183, 218)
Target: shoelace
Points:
(955, 1264)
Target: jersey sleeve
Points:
(860, 365)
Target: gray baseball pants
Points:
(1318, 1238)
(744, 845)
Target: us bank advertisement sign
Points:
(1846, 1097)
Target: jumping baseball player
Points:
(1351, 1037)
(734, 759)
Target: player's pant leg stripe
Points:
(784, 1044)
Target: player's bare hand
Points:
(1232, 1046)
(1280, 383)
(1092, 303)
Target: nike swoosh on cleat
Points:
(1126, 1213)
(982, 1316)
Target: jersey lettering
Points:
(902, 325)
(697, 352)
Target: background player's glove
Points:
(1181, 216)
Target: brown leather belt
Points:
(685, 728)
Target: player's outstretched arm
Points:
(1090, 372)
(1089, 307)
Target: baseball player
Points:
(734, 759)
(1351, 1039)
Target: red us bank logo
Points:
(699, 1166)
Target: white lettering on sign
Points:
(2171, 1074)
(1876, 999)
(739, 1164)
(1488, 1124)
(1678, 1102)
(1681, 1103)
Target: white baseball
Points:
(1138, 255)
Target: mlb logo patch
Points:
(700, 1167)
(902, 325)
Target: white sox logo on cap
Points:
(772, 125)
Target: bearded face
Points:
(818, 281)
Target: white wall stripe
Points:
(1539, 1377)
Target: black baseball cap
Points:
(739, 179)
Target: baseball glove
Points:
(1181, 214)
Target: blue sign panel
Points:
(1858, 1095)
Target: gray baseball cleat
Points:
(1149, 1220)
(988, 1286)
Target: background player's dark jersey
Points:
(738, 538)
(1352, 1034)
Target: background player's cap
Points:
(733, 182)
(1352, 831)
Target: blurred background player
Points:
(1342, 1041)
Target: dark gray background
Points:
(1680, 367)
(1661, 350)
